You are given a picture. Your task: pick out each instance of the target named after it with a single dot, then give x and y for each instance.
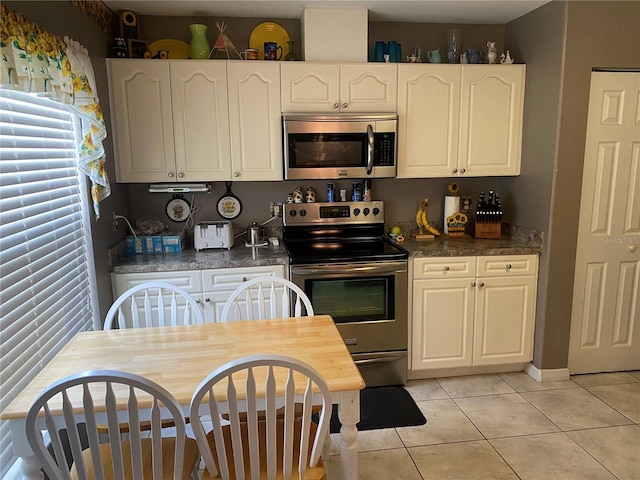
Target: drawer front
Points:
(188, 280)
(228, 279)
(444, 267)
(499, 266)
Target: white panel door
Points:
(254, 120)
(368, 87)
(310, 87)
(605, 324)
(429, 117)
(200, 120)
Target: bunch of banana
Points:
(422, 221)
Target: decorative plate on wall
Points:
(269, 32)
(176, 48)
(229, 206)
(178, 209)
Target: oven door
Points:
(368, 301)
(331, 148)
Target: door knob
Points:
(345, 105)
(336, 105)
(462, 170)
(180, 175)
(446, 269)
(170, 174)
(236, 174)
(455, 170)
(632, 248)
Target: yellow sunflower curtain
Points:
(33, 60)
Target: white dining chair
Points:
(153, 304)
(110, 397)
(256, 441)
(266, 297)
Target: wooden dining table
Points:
(179, 358)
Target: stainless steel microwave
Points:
(339, 146)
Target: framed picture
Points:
(137, 48)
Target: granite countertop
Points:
(241, 256)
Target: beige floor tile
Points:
(521, 382)
(370, 440)
(614, 447)
(604, 379)
(460, 461)
(427, 389)
(549, 456)
(445, 423)
(393, 464)
(625, 398)
(505, 416)
(574, 409)
(474, 385)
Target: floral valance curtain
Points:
(33, 60)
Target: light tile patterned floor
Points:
(508, 426)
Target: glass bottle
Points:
(199, 46)
(291, 56)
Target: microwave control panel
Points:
(384, 149)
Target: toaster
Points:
(213, 235)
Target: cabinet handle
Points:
(473, 284)
(481, 284)
(207, 299)
(236, 174)
(632, 248)
(345, 105)
(170, 174)
(446, 269)
(198, 300)
(462, 170)
(244, 279)
(336, 105)
(508, 266)
(455, 170)
(180, 175)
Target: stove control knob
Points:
(356, 211)
(303, 212)
(376, 210)
(366, 211)
(292, 213)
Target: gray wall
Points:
(561, 42)
(61, 18)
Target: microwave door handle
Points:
(369, 149)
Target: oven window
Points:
(326, 150)
(353, 300)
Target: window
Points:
(47, 278)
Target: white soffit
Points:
(417, 11)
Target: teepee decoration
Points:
(223, 43)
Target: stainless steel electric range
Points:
(339, 256)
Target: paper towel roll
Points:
(451, 206)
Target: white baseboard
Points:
(547, 374)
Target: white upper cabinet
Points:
(459, 120)
(142, 120)
(190, 120)
(491, 119)
(254, 116)
(334, 87)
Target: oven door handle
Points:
(390, 357)
(369, 149)
(339, 269)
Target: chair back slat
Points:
(89, 398)
(264, 298)
(153, 304)
(261, 425)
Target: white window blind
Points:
(47, 279)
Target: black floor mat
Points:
(384, 407)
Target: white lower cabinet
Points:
(210, 287)
(473, 311)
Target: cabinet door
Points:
(368, 87)
(200, 120)
(491, 113)
(219, 283)
(140, 99)
(310, 87)
(442, 333)
(428, 111)
(505, 315)
(254, 120)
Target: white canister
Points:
(451, 206)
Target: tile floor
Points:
(508, 426)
